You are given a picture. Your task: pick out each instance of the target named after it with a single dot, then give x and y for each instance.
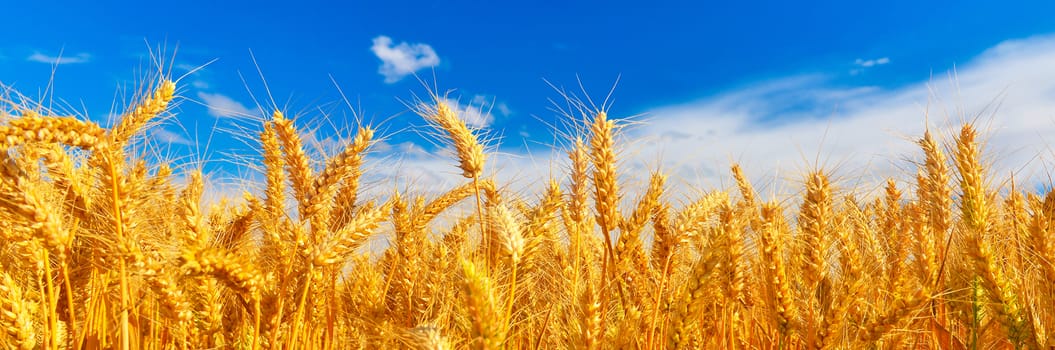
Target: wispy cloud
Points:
(403, 59)
(479, 111)
(863, 64)
(793, 122)
(410, 149)
(223, 106)
(493, 104)
(196, 73)
(873, 62)
(161, 135)
(186, 67)
(64, 59)
(777, 129)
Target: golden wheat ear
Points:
(975, 207)
(630, 245)
(346, 240)
(345, 168)
(691, 301)
(773, 238)
(64, 130)
(298, 164)
(486, 328)
(274, 166)
(140, 116)
(606, 189)
(15, 313)
(471, 158)
(470, 151)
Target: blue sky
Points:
(685, 67)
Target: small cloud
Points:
(192, 69)
(503, 109)
(164, 136)
(222, 106)
(403, 59)
(491, 103)
(195, 72)
(326, 145)
(411, 149)
(380, 146)
(42, 58)
(871, 63)
(477, 113)
(773, 124)
(186, 67)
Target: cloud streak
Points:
(873, 62)
(863, 64)
(403, 59)
(39, 57)
(223, 106)
(780, 128)
(480, 111)
(1009, 91)
(168, 137)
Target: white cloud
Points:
(491, 103)
(411, 149)
(1009, 90)
(864, 64)
(478, 112)
(222, 106)
(403, 59)
(873, 62)
(187, 67)
(780, 128)
(43, 58)
(168, 137)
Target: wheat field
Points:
(103, 249)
